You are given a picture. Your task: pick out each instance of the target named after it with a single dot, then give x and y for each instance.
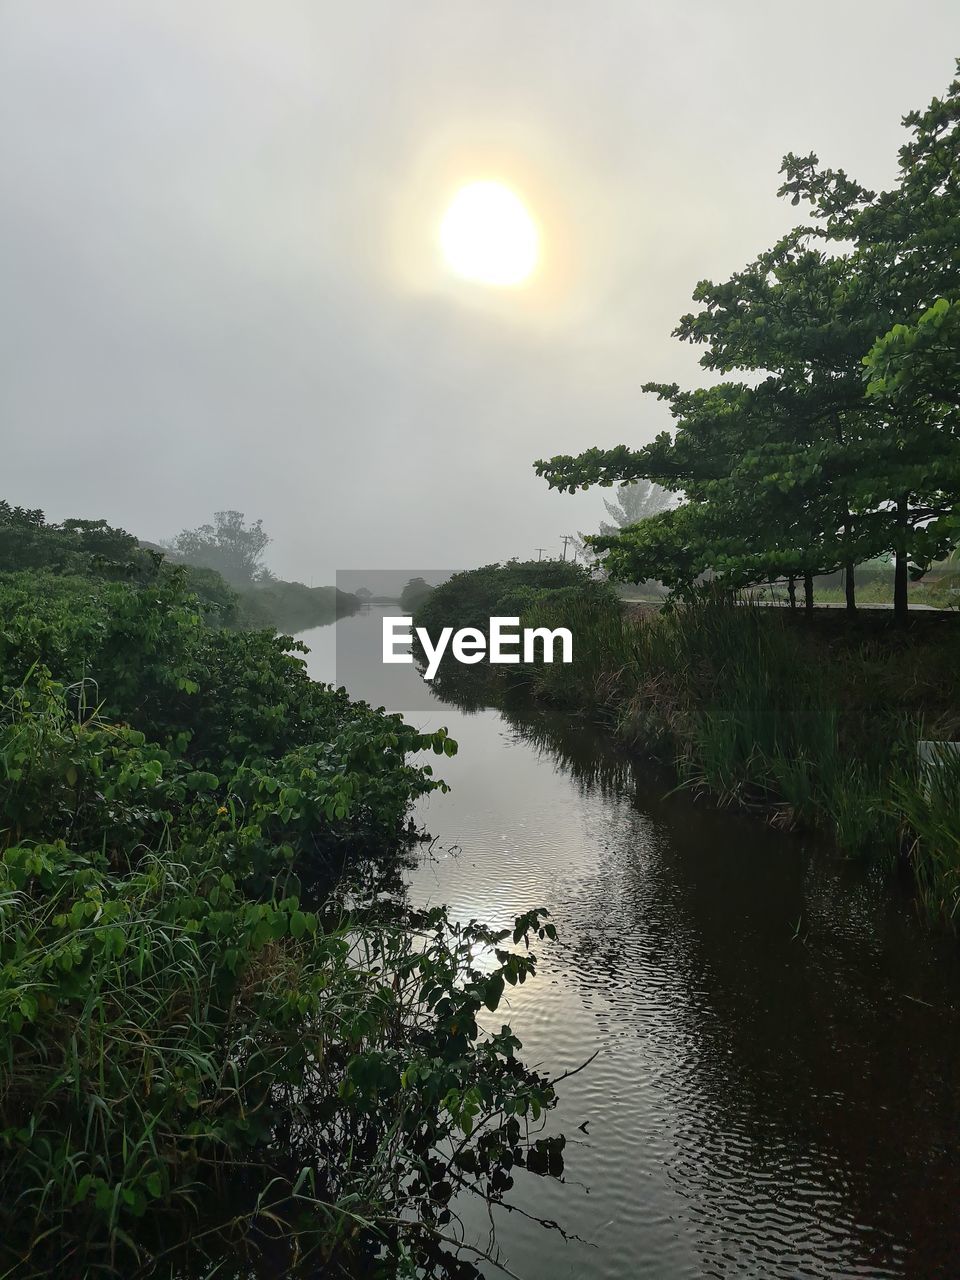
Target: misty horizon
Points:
(222, 287)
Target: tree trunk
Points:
(808, 592)
(900, 608)
(849, 573)
(850, 586)
(792, 591)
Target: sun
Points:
(488, 236)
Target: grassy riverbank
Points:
(811, 723)
(202, 1053)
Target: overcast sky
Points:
(219, 277)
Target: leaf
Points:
(494, 991)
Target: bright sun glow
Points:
(488, 236)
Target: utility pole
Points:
(567, 537)
(540, 551)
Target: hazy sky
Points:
(219, 278)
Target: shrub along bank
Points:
(201, 1052)
(292, 606)
(96, 549)
(813, 723)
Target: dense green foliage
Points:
(473, 597)
(292, 606)
(842, 442)
(27, 541)
(191, 1023)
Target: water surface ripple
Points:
(774, 1093)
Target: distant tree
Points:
(635, 501)
(229, 545)
(413, 594)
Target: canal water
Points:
(776, 1087)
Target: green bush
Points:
(473, 597)
(291, 606)
(190, 1023)
(27, 541)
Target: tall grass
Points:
(606, 650)
(928, 801)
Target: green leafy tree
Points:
(915, 370)
(768, 469)
(906, 249)
(807, 470)
(20, 517)
(28, 541)
(101, 539)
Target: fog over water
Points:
(221, 283)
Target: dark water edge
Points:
(774, 1092)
